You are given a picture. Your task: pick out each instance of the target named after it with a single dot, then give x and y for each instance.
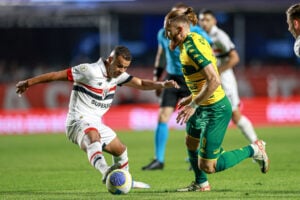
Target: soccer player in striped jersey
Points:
(207, 111)
(169, 96)
(293, 20)
(94, 86)
(227, 59)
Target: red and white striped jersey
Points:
(222, 45)
(93, 91)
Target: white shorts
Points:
(230, 87)
(76, 128)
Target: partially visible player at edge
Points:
(227, 59)
(293, 20)
(207, 111)
(94, 86)
(169, 96)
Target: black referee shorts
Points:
(171, 96)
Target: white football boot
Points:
(260, 155)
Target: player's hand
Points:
(170, 84)
(158, 92)
(21, 87)
(185, 114)
(184, 101)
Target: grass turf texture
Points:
(51, 167)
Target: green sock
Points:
(231, 158)
(200, 176)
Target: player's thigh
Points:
(236, 115)
(234, 99)
(165, 113)
(111, 143)
(77, 129)
(169, 97)
(229, 85)
(218, 118)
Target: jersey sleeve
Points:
(123, 78)
(78, 73)
(70, 75)
(193, 51)
(225, 42)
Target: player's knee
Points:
(115, 147)
(236, 116)
(191, 143)
(164, 118)
(207, 166)
(89, 138)
(165, 114)
(94, 136)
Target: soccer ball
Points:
(119, 181)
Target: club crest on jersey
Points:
(104, 93)
(83, 68)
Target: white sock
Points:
(122, 160)
(247, 129)
(96, 158)
(205, 184)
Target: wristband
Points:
(194, 105)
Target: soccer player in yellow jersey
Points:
(207, 111)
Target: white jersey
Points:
(297, 46)
(222, 45)
(93, 91)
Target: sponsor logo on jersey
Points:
(100, 105)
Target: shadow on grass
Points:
(267, 193)
(226, 192)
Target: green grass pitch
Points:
(51, 167)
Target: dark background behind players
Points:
(79, 31)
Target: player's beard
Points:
(115, 74)
(174, 43)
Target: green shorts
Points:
(209, 124)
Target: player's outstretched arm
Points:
(22, 86)
(146, 84)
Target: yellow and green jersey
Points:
(195, 54)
